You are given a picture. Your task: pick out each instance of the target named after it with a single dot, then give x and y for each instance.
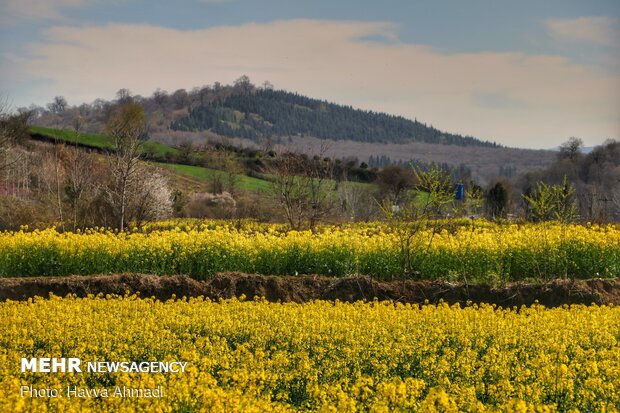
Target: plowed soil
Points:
(306, 288)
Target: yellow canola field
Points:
(478, 250)
(319, 356)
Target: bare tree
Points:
(58, 105)
(301, 186)
(267, 85)
(288, 191)
(571, 148)
(49, 173)
(180, 99)
(205, 95)
(317, 180)
(13, 129)
(13, 160)
(356, 201)
(127, 125)
(6, 137)
(160, 97)
(78, 177)
(244, 85)
(123, 96)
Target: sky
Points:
(525, 73)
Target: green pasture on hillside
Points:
(99, 141)
(242, 181)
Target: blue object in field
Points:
(459, 190)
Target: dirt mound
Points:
(306, 288)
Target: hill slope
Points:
(265, 119)
(273, 114)
(154, 152)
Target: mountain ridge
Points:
(266, 113)
(261, 117)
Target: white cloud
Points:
(328, 59)
(599, 30)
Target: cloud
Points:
(496, 100)
(543, 99)
(599, 30)
(36, 9)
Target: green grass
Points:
(90, 139)
(99, 141)
(244, 182)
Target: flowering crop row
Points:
(483, 252)
(319, 356)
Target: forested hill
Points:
(273, 114)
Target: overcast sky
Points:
(526, 73)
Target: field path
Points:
(307, 288)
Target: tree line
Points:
(122, 189)
(74, 188)
(253, 112)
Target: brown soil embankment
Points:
(307, 288)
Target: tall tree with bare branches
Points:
(127, 126)
(300, 185)
(78, 178)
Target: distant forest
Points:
(258, 113)
(243, 110)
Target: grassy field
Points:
(90, 139)
(248, 182)
(99, 141)
(242, 181)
